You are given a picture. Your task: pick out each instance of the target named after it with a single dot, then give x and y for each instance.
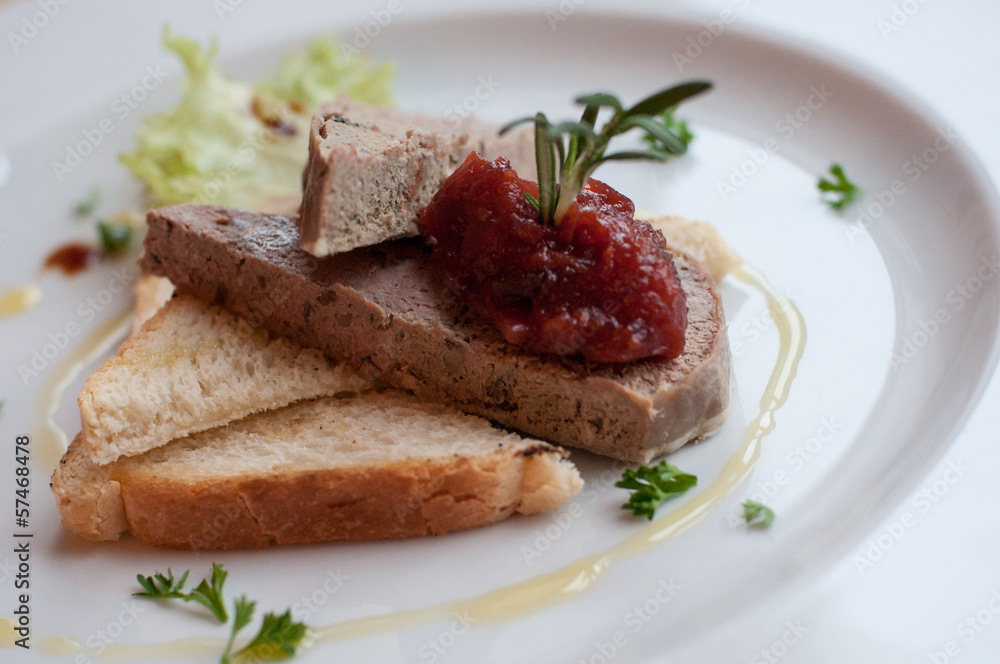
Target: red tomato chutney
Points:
(600, 284)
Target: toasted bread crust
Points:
(385, 310)
(397, 500)
(87, 496)
(151, 293)
(164, 500)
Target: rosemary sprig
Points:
(567, 153)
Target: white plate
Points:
(855, 436)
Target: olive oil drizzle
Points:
(49, 440)
(535, 594)
(18, 300)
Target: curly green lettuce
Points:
(239, 144)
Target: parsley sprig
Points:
(208, 593)
(243, 610)
(757, 515)
(651, 486)
(567, 153)
(86, 206)
(278, 638)
(115, 236)
(838, 192)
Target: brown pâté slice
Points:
(385, 310)
(372, 169)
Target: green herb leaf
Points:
(839, 192)
(86, 206)
(516, 123)
(243, 610)
(161, 586)
(115, 236)
(278, 638)
(545, 159)
(633, 155)
(528, 197)
(209, 594)
(651, 486)
(658, 102)
(678, 129)
(599, 99)
(757, 515)
(659, 135)
(567, 153)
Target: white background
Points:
(945, 569)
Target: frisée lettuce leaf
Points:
(240, 144)
(321, 71)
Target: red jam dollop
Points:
(600, 284)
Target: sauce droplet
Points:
(72, 257)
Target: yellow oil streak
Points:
(7, 634)
(49, 440)
(16, 301)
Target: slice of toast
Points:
(386, 311)
(371, 170)
(151, 293)
(358, 466)
(193, 367)
(699, 239)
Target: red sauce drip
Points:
(600, 285)
(72, 257)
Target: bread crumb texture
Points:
(192, 367)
